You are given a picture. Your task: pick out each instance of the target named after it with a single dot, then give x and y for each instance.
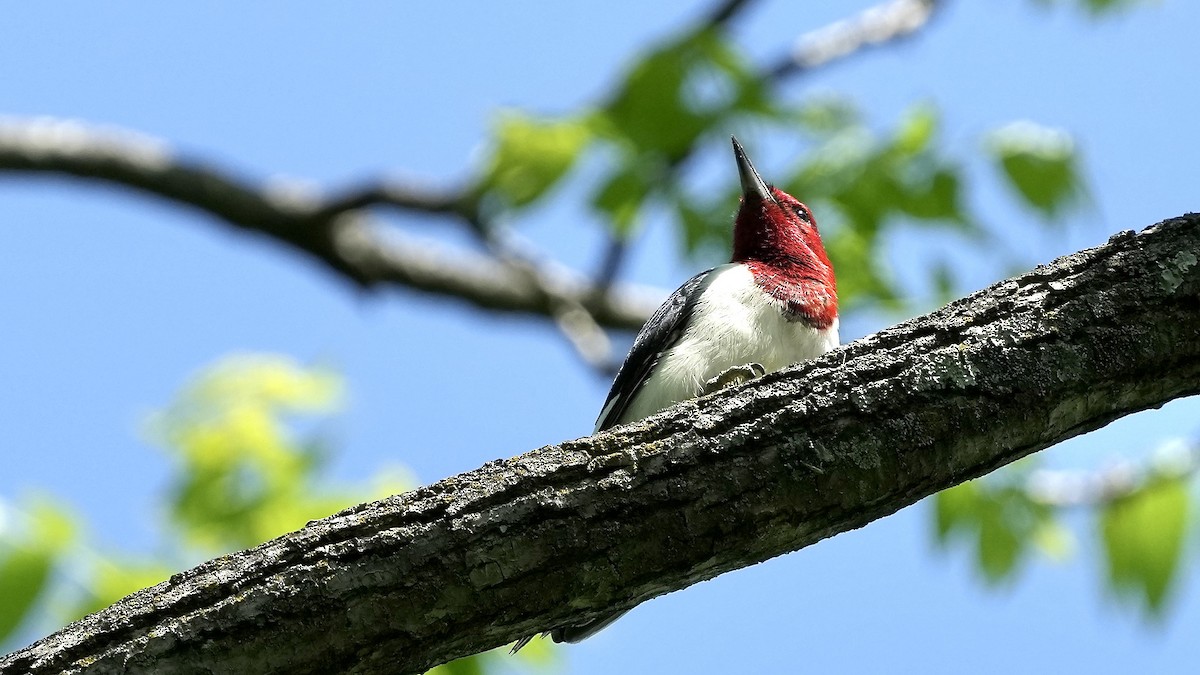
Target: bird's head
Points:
(777, 231)
(773, 226)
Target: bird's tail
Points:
(585, 631)
(521, 643)
(573, 633)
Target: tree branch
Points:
(724, 12)
(335, 232)
(572, 531)
(1063, 489)
(874, 27)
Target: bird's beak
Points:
(752, 183)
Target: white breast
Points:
(733, 323)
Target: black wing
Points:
(659, 334)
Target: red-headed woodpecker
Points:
(773, 305)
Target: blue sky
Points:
(109, 301)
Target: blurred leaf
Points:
(858, 283)
(1053, 540)
(649, 109)
(936, 197)
(956, 509)
(1097, 8)
(1005, 522)
(679, 91)
(27, 558)
(859, 183)
(828, 116)
(1000, 544)
(51, 527)
(112, 581)
(265, 379)
(538, 654)
(620, 198)
(916, 130)
(245, 477)
(1040, 164)
(469, 665)
(23, 575)
(1143, 540)
(706, 225)
(1101, 7)
(530, 155)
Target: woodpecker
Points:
(773, 305)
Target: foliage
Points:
(1097, 8)
(1143, 534)
(688, 93)
(28, 552)
(1142, 523)
(1002, 523)
(245, 439)
(1041, 165)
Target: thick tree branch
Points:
(335, 232)
(571, 531)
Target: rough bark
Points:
(571, 531)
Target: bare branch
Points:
(725, 11)
(336, 232)
(1090, 489)
(404, 197)
(611, 262)
(879, 25)
(572, 531)
(606, 275)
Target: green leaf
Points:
(1040, 164)
(112, 581)
(828, 116)
(1053, 540)
(1143, 540)
(244, 477)
(530, 156)
(26, 560)
(859, 183)
(681, 90)
(938, 197)
(916, 130)
(620, 198)
(469, 665)
(857, 283)
(51, 526)
(1101, 7)
(956, 509)
(23, 575)
(1000, 542)
(1096, 8)
(706, 226)
(1005, 522)
(649, 108)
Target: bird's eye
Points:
(803, 213)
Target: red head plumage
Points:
(776, 236)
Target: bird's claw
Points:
(733, 376)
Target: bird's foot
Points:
(733, 376)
